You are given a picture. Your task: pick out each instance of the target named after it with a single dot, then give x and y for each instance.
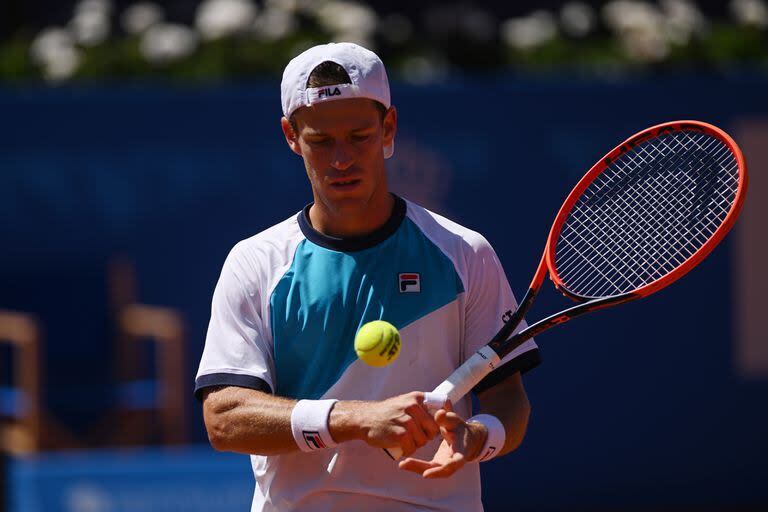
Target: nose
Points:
(343, 156)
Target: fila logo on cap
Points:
(409, 282)
(328, 92)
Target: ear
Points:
(389, 125)
(290, 136)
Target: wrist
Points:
(495, 436)
(310, 424)
(479, 434)
(344, 422)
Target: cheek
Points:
(370, 152)
(315, 162)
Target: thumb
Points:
(448, 420)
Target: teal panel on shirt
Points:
(326, 296)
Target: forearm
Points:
(248, 421)
(253, 422)
(508, 402)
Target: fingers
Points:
(445, 470)
(416, 436)
(425, 421)
(417, 465)
(432, 469)
(448, 420)
(406, 442)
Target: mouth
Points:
(345, 184)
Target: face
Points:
(341, 143)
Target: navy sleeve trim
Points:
(230, 379)
(522, 363)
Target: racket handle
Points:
(458, 384)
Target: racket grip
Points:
(458, 384)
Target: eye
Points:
(361, 137)
(323, 141)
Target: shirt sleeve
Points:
(489, 297)
(237, 349)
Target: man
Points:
(279, 378)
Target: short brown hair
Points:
(331, 73)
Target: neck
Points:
(351, 220)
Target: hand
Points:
(398, 421)
(462, 443)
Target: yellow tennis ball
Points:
(377, 343)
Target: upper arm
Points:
(238, 349)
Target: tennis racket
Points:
(640, 219)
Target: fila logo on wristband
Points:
(488, 454)
(309, 425)
(313, 439)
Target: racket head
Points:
(647, 212)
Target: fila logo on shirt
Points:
(409, 282)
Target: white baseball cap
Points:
(365, 70)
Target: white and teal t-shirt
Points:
(283, 320)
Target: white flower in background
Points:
(646, 45)
(624, 15)
(221, 18)
(530, 31)
(54, 51)
(577, 19)
(91, 27)
(750, 12)
(90, 22)
(48, 41)
(641, 29)
(274, 23)
(168, 42)
(139, 17)
(683, 19)
(396, 28)
(347, 20)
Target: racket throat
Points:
(512, 319)
(562, 317)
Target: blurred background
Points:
(140, 140)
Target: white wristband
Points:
(309, 425)
(496, 436)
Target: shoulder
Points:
(450, 236)
(265, 252)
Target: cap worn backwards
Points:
(365, 70)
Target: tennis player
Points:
(279, 378)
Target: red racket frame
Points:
(502, 345)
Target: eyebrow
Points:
(319, 133)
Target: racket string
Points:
(643, 188)
(648, 212)
(616, 227)
(621, 207)
(670, 206)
